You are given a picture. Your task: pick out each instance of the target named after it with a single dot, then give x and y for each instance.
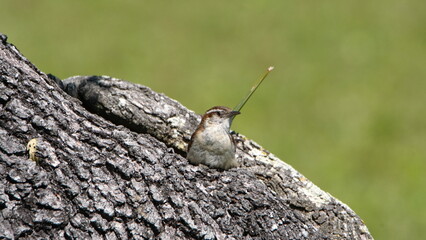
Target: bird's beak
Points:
(233, 114)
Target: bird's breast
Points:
(216, 139)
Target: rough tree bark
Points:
(120, 172)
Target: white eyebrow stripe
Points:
(215, 110)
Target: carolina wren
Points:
(212, 144)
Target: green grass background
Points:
(345, 105)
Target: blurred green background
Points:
(345, 104)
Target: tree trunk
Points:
(112, 165)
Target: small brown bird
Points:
(212, 144)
